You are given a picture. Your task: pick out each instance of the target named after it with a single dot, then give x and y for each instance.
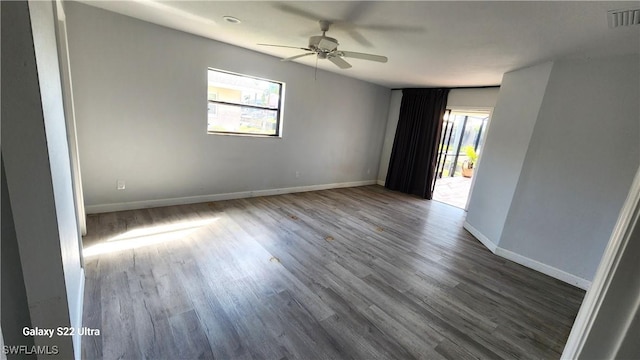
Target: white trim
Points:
(593, 300)
(69, 114)
(528, 262)
(94, 209)
(470, 109)
(483, 239)
(77, 338)
(381, 182)
(544, 268)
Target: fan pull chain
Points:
(315, 73)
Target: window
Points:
(213, 108)
(243, 105)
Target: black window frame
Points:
(278, 109)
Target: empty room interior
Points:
(277, 180)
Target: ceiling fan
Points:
(325, 47)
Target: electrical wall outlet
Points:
(120, 185)
(297, 174)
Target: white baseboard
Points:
(528, 262)
(483, 239)
(544, 268)
(132, 205)
(381, 182)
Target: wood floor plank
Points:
(360, 335)
(450, 350)
(351, 273)
(149, 313)
(117, 319)
(301, 332)
(407, 338)
(188, 337)
(92, 345)
(224, 339)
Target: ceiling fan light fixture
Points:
(231, 19)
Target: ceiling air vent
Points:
(618, 18)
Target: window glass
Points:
(241, 104)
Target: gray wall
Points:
(580, 163)
(505, 148)
(615, 329)
(36, 160)
(389, 135)
(140, 94)
(608, 323)
(482, 98)
(14, 311)
(559, 158)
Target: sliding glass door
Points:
(460, 144)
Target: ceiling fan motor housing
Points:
(323, 43)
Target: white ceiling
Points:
(428, 43)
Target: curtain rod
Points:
(454, 88)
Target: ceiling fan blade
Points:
(298, 56)
(363, 56)
(357, 10)
(296, 11)
(340, 62)
(285, 46)
(399, 28)
(357, 36)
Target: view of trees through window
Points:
(241, 104)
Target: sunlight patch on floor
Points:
(146, 236)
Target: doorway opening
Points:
(460, 146)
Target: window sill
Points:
(244, 135)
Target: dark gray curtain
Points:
(415, 147)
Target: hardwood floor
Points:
(362, 273)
